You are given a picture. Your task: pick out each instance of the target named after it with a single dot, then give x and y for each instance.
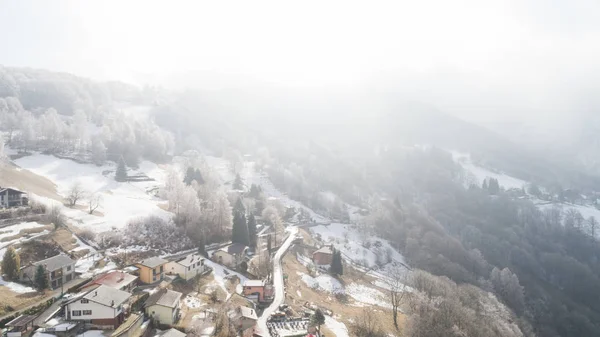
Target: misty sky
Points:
(487, 61)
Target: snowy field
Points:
(356, 247)
(481, 173)
(323, 282)
(16, 287)
(120, 203)
(337, 327)
(221, 274)
(366, 295)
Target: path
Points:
(277, 283)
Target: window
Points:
(68, 268)
(188, 268)
(76, 313)
(85, 301)
(161, 269)
(87, 312)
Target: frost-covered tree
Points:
(95, 202)
(98, 150)
(506, 284)
(395, 279)
(76, 192)
(238, 184)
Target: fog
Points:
(506, 65)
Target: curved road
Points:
(277, 283)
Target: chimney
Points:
(112, 303)
(95, 293)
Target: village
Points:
(171, 295)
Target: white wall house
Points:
(188, 267)
(163, 306)
(100, 307)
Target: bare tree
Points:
(76, 192)
(95, 202)
(55, 216)
(367, 325)
(395, 280)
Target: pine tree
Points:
(269, 246)
(239, 232)
(238, 184)
(494, 186)
(11, 264)
(485, 184)
(198, 177)
(252, 230)
(239, 207)
(121, 174)
(189, 176)
(254, 191)
(202, 246)
(40, 280)
(317, 319)
(336, 268)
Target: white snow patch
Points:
(16, 287)
(323, 282)
(222, 273)
(337, 327)
(192, 302)
(481, 173)
(366, 295)
(15, 229)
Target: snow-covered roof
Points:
(254, 283)
(152, 262)
(190, 260)
(324, 250)
(172, 333)
(248, 313)
(164, 297)
(107, 296)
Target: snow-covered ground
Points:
(481, 173)
(367, 295)
(357, 247)
(221, 274)
(16, 287)
(323, 282)
(337, 327)
(13, 230)
(120, 202)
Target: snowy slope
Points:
(120, 201)
(481, 173)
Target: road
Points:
(277, 283)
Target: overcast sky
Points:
(487, 61)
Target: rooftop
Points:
(324, 250)
(254, 283)
(153, 262)
(248, 313)
(173, 333)
(190, 260)
(56, 262)
(107, 296)
(114, 279)
(234, 248)
(21, 321)
(165, 297)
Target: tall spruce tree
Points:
(238, 184)
(40, 280)
(317, 319)
(252, 230)
(239, 207)
(121, 174)
(189, 176)
(336, 268)
(239, 232)
(11, 264)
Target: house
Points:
(20, 326)
(231, 255)
(187, 267)
(100, 307)
(115, 279)
(59, 269)
(323, 256)
(258, 288)
(163, 306)
(11, 197)
(151, 270)
(244, 319)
